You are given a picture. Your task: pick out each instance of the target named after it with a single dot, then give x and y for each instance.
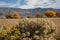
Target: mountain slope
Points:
(25, 12)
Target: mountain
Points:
(25, 12)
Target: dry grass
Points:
(9, 23)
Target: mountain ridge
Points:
(25, 12)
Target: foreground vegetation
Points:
(30, 29)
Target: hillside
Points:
(25, 12)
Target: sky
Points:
(29, 4)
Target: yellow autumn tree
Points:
(50, 13)
(12, 16)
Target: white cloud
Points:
(34, 4)
(29, 4)
(15, 4)
(56, 5)
(37, 3)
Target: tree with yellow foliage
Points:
(50, 13)
(12, 16)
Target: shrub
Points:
(50, 13)
(29, 16)
(58, 14)
(37, 29)
(12, 34)
(12, 16)
(39, 16)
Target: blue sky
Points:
(8, 1)
(29, 4)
